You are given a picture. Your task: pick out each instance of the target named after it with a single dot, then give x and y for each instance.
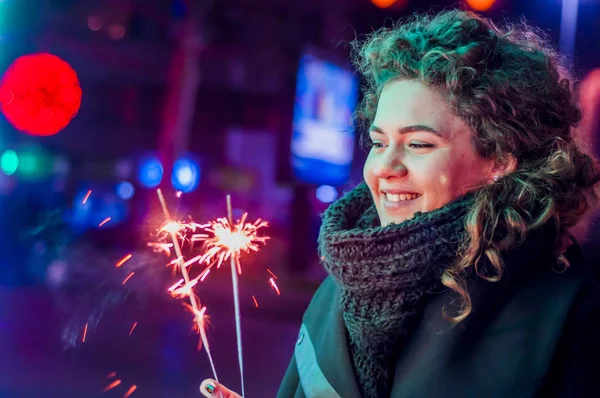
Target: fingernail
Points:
(209, 388)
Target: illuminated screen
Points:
(322, 144)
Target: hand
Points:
(211, 389)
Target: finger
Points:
(211, 389)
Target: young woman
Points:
(452, 270)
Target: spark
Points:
(185, 290)
(128, 276)
(204, 274)
(255, 302)
(230, 240)
(112, 385)
(111, 375)
(123, 260)
(175, 285)
(269, 271)
(178, 194)
(107, 219)
(164, 247)
(87, 195)
(85, 328)
(274, 285)
(130, 391)
(133, 327)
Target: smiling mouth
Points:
(401, 197)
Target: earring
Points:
(496, 178)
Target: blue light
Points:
(151, 172)
(125, 190)
(186, 175)
(327, 193)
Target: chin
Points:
(388, 219)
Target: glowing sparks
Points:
(132, 328)
(128, 277)
(87, 196)
(255, 302)
(111, 375)
(107, 219)
(161, 247)
(123, 260)
(272, 274)
(274, 286)
(204, 274)
(178, 194)
(130, 391)
(231, 240)
(112, 385)
(185, 290)
(84, 333)
(175, 231)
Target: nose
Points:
(390, 166)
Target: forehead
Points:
(408, 102)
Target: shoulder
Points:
(574, 366)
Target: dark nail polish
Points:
(210, 388)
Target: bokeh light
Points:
(186, 175)
(95, 22)
(9, 162)
(150, 172)
(481, 5)
(125, 190)
(383, 3)
(327, 193)
(116, 32)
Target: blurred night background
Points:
(252, 98)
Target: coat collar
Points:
(326, 332)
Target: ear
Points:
(504, 166)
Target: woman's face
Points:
(422, 155)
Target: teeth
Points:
(400, 197)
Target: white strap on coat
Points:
(312, 379)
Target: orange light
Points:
(481, 5)
(383, 3)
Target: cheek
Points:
(368, 172)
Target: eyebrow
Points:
(408, 129)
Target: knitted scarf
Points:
(383, 274)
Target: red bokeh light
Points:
(481, 5)
(40, 94)
(383, 3)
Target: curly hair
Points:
(511, 88)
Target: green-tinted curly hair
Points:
(511, 88)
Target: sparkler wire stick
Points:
(236, 299)
(197, 313)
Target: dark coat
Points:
(533, 334)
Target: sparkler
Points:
(172, 228)
(229, 240)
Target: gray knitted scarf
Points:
(383, 274)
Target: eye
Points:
(420, 145)
(376, 144)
